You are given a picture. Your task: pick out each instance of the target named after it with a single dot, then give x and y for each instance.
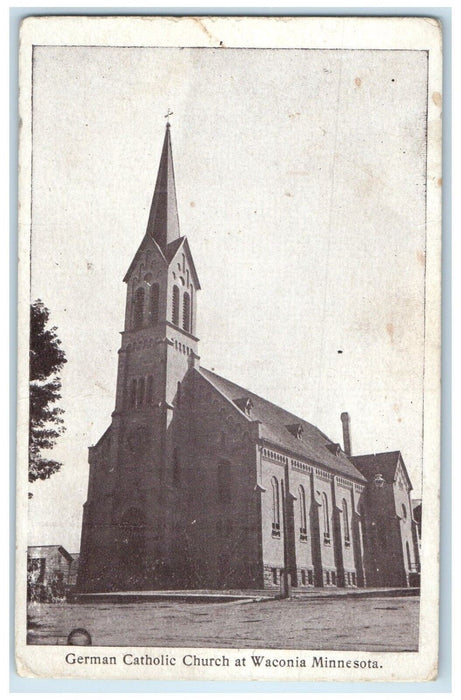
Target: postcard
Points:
(229, 348)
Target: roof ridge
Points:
(377, 454)
(262, 398)
(274, 423)
(230, 401)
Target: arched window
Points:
(186, 312)
(302, 513)
(410, 565)
(131, 541)
(347, 530)
(175, 307)
(176, 467)
(326, 518)
(224, 482)
(149, 389)
(138, 316)
(404, 512)
(178, 395)
(275, 506)
(133, 393)
(154, 304)
(141, 391)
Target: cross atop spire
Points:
(163, 223)
(168, 114)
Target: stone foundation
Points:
(272, 577)
(305, 578)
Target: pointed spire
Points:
(163, 224)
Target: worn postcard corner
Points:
(229, 348)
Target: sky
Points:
(300, 179)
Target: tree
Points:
(46, 358)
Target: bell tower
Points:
(160, 315)
(132, 467)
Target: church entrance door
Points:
(132, 540)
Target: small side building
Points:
(390, 531)
(49, 564)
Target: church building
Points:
(200, 483)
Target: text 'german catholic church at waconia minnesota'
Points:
(199, 483)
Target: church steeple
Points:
(163, 223)
(159, 340)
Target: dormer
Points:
(335, 448)
(245, 404)
(296, 429)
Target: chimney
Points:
(346, 421)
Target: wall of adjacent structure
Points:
(407, 528)
(55, 563)
(382, 538)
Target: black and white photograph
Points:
(229, 303)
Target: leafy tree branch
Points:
(46, 359)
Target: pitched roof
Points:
(384, 463)
(59, 547)
(145, 243)
(312, 445)
(171, 250)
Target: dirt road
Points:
(370, 624)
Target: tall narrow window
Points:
(149, 390)
(175, 307)
(131, 541)
(347, 530)
(275, 507)
(154, 301)
(224, 482)
(133, 393)
(186, 312)
(138, 316)
(410, 564)
(141, 391)
(326, 519)
(176, 467)
(302, 514)
(178, 395)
